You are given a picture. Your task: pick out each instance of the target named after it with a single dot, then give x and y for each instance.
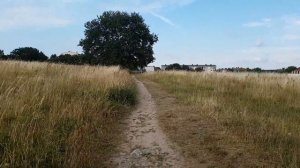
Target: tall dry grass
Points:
(261, 109)
(59, 115)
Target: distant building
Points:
(70, 53)
(223, 70)
(296, 71)
(163, 67)
(151, 68)
(207, 68)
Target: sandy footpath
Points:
(146, 145)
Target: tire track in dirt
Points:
(146, 145)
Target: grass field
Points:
(59, 115)
(262, 110)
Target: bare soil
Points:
(146, 145)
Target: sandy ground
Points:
(146, 145)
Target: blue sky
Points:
(228, 33)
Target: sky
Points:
(228, 33)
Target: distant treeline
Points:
(260, 70)
(179, 67)
(33, 54)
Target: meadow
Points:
(259, 110)
(55, 115)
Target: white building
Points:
(150, 68)
(70, 53)
(207, 68)
(163, 67)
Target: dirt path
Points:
(146, 145)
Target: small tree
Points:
(119, 38)
(69, 59)
(185, 68)
(290, 69)
(174, 66)
(199, 69)
(28, 54)
(53, 56)
(2, 55)
(257, 70)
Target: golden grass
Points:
(59, 115)
(261, 109)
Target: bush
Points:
(28, 54)
(123, 96)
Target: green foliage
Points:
(27, 54)
(2, 55)
(290, 69)
(73, 59)
(124, 96)
(119, 38)
(257, 70)
(177, 66)
(174, 66)
(53, 56)
(67, 59)
(199, 69)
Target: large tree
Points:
(28, 54)
(119, 38)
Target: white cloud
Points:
(153, 7)
(29, 16)
(259, 43)
(291, 36)
(55, 13)
(164, 19)
(291, 20)
(142, 5)
(291, 28)
(262, 23)
(271, 57)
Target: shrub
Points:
(123, 96)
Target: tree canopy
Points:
(68, 59)
(290, 69)
(28, 54)
(119, 38)
(177, 66)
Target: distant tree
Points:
(119, 38)
(68, 59)
(2, 55)
(28, 54)
(257, 70)
(53, 56)
(199, 69)
(174, 66)
(89, 59)
(185, 68)
(290, 69)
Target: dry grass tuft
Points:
(261, 109)
(60, 115)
